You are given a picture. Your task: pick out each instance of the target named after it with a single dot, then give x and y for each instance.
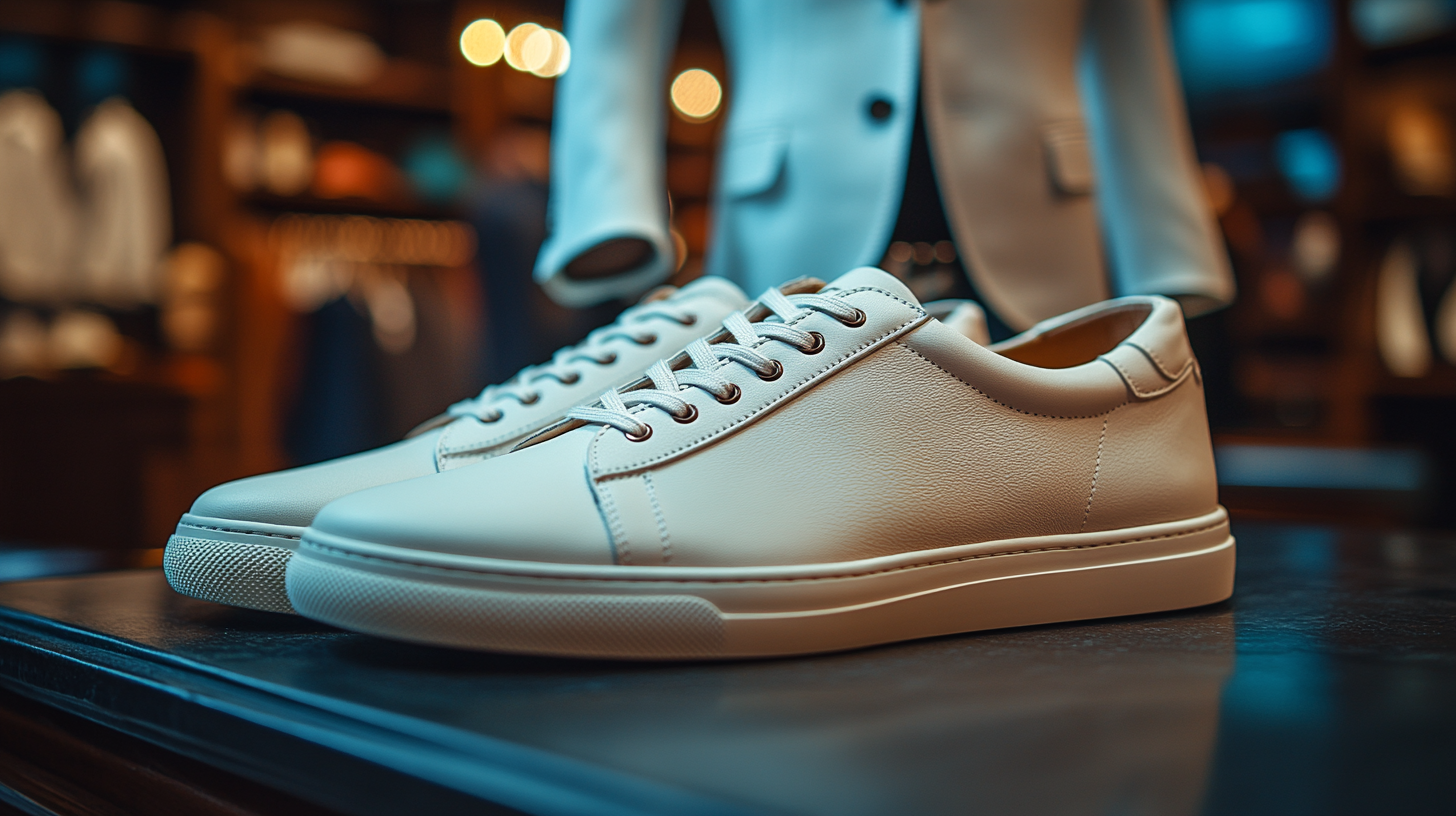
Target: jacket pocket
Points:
(1069, 157)
(753, 160)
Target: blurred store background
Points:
(237, 235)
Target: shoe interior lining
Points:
(1078, 342)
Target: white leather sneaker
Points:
(234, 544)
(833, 470)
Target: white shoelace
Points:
(709, 359)
(599, 348)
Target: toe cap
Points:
(293, 497)
(535, 505)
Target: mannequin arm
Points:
(1160, 231)
(609, 223)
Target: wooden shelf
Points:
(400, 208)
(1406, 208)
(403, 85)
(132, 26)
(1439, 382)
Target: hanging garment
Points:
(1400, 326)
(1057, 128)
(37, 207)
(126, 217)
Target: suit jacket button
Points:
(880, 109)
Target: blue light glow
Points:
(1320, 468)
(1309, 162)
(21, 63)
(1230, 44)
(100, 75)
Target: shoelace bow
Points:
(599, 348)
(708, 360)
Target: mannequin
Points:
(1059, 139)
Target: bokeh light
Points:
(696, 94)
(516, 45)
(556, 49)
(536, 50)
(483, 42)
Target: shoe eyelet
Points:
(646, 434)
(495, 417)
(734, 392)
(688, 320)
(645, 340)
(776, 371)
(691, 415)
(816, 343)
(855, 320)
(530, 399)
(608, 360)
(572, 378)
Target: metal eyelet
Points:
(855, 320)
(776, 371)
(816, 343)
(734, 392)
(571, 378)
(496, 417)
(689, 320)
(691, 415)
(530, 399)
(646, 434)
(608, 360)
(645, 340)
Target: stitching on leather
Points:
(661, 520)
(1096, 469)
(242, 532)
(467, 454)
(620, 544)
(498, 440)
(346, 554)
(628, 468)
(1163, 368)
(1137, 389)
(999, 402)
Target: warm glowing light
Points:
(516, 45)
(536, 51)
(557, 53)
(483, 42)
(696, 94)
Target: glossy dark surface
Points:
(1327, 686)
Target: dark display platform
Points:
(1327, 686)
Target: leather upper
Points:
(292, 497)
(533, 505)
(898, 436)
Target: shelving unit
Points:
(208, 55)
(1323, 353)
(234, 395)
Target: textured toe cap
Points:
(535, 505)
(292, 497)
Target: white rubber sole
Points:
(660, 613)
(239, 563)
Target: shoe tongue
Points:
(713, 288)
(869, 276)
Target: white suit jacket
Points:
(1057, 129)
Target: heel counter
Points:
(1156, 461)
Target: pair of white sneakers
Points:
(836, 466)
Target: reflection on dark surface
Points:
(1344, 696)
(1324, 687)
